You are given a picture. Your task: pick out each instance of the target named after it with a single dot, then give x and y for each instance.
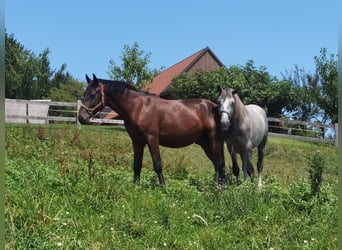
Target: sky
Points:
(86, 35)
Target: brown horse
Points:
(154, 121)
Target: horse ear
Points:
(88, 79)
(234, 91)
(94, 77)
(219, 88)
(95, 80)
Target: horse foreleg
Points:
(157, 164)
(219, 161)
(138, 157)
(214, 151)
(235, 166)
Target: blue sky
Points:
(87, 34)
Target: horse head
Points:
(93, 100)
(226, 105)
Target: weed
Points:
(88, 155)
(316, 168)
(75, 138)
(41, 133)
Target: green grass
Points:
(56, 199)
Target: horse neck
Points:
(121, 101)
(240, 110)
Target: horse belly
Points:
(178, 141)
(180, 132)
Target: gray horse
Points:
(245, 127)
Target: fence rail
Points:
(46, 111)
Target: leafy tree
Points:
(259, 87)
(134, 67)
(304, 106)
(316, 94)
(27, 75)
(19, 68)
(69, 90)
(199, 85)
(253, 85)
(327, 83)
(30, 77)
(42, 75)
(65, 87)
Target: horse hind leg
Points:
(260, 165)
(157, 164)
(247, 164)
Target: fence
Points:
(302, 130)
(46, 111)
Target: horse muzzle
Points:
(84, 116)
(224, 121)
(225, 125)
(84, 120)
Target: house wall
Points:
(206, 63)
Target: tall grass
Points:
(71, 189)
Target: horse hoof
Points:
(223, 181)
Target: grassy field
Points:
(72, 189)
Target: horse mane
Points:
(240, 109)
(122, 85)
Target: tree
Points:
(304, 107)
(316, 94)
(42, 75)
(67, 89)
(27, 75)
(253, 85)
(19, 62)
(134, 67)
(30, 77)
(200, 85)
(327, 84)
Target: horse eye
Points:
(92, 96)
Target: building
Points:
(204, 60)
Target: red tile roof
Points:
(161, 81)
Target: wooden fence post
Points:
(78, 124)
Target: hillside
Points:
(68, 188)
